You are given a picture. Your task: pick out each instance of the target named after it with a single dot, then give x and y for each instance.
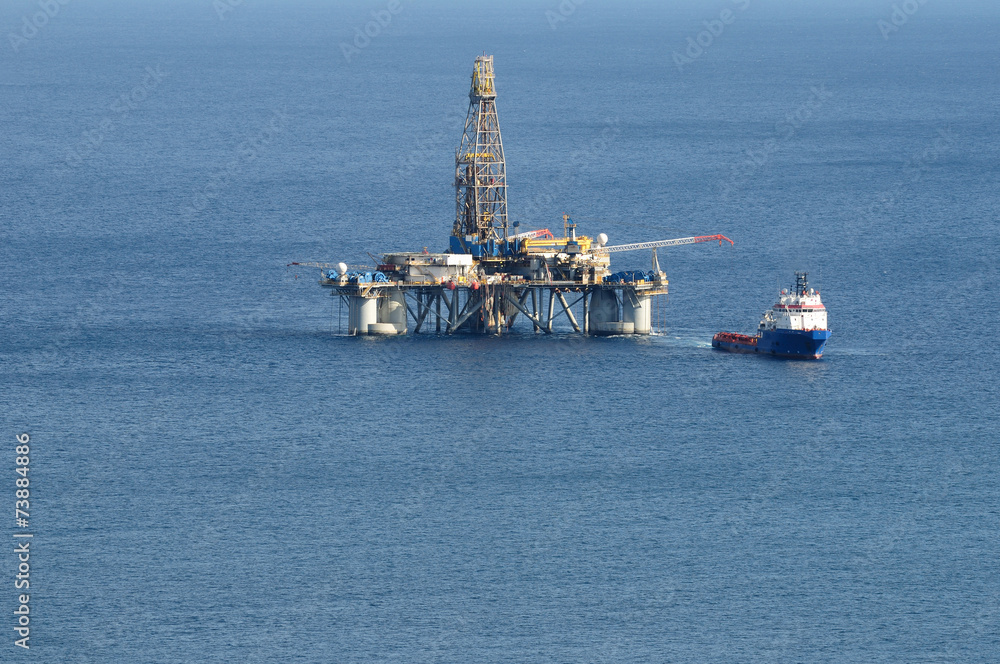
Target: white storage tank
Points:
(361, 312)
(637, 309)
(392, 311)
(603, 316)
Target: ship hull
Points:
(794, 344)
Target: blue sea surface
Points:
(219, 474)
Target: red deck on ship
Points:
(734, 338)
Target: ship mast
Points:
(801, 283)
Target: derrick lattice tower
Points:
(480, 171)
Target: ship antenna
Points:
(801, 282)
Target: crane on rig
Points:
(531, 235)
(662, 243)
(312, 264)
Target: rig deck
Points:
(494, 305)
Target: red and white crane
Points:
(533, 235)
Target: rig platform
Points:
(492, 274)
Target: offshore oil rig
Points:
(492, 273)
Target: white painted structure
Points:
(419, 268)
(637, 309)
(796, 311)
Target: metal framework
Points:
(480, 169)
(493, 308)
(661, 243)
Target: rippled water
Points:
(218, 475)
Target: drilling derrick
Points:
(480, 171)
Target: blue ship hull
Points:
(805, 344)
(800, 344)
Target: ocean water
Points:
(218, 474)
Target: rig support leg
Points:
(518, 300)
(569, 313)
(424, 310)
(586, 313)
(534, 306)
(636, 309)
(527, 314)
(552, 310)
(409, 310)
(464, 317)
(453, 312)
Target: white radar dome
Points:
(602, 239)
(341, 269)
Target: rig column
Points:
(636, 309)
(362, 312)
(534, 306)
(552, 308)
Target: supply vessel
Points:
(794, 327)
